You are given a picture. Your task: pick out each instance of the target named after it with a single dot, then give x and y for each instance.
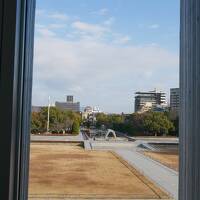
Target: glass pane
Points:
(105, 100)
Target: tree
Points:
(147, 123)
(58, 120)
(102, 119)
(136, 121)
(110, 121)
(75, 127)
(36, 124)
(173, 116)
(157, 123)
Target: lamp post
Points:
(49, 105)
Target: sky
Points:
(103, 51)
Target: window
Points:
(14, 90)
(91, 62)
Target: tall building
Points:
(175, 99)
(70, 99)
(36, 108)
(145, 101)
(69, 104)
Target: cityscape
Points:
(147, 137)
(100, 99)
(144, 101)
(151, 101)
(100, 128)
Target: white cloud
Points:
(122, 40)
(90, 28)
(103, 12)
(99, 73)
(109, 21)
(95, 64)
(45, 32)
(38, 26)
(57, 26)
(154, 26)
(40, 12)
(52, 15)
(58, 16)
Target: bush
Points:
(75, 128)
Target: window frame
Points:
(16, 62)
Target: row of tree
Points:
(148, 123)
(59, 121)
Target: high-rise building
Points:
(145, 101)
(68, 105)
(175, 99)
(70, 99)
(37, 108)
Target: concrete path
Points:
(69, 138)
(158, 173)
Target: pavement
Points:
(164, 177)
(42, 138)
(157, 139)
(161, 175)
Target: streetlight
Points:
(49, 105)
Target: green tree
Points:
(147, 123)
(75, 127)
(110, 121)
(58, 120)
(36, 124)
(102, 119)
(173, 116)
(157, 123)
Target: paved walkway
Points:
(69, 138)
(163, 176)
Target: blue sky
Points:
(102, 51)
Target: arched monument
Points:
(110, 131)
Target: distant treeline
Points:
(59, 121)
(143, 124)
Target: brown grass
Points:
(168, 159)
(62, 171)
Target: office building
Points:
(37, 109)
(174, 99)
(68, 105)
(145, 101)
(70, 99)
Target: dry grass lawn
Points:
(60, 171)
(168, 159)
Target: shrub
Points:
(75, 127)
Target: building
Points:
(90, 112)
(69, 104)
(70, 99)
(160, 108)
(37, 108)
(145, 101)
(87, 112)
(15, 157)
(174, 99)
